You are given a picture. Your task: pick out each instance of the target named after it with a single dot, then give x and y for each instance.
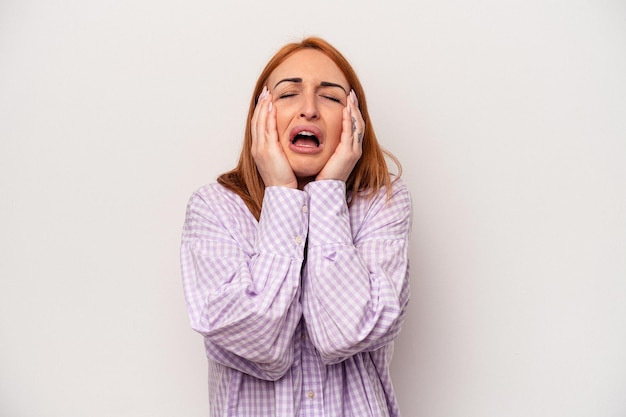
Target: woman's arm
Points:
(242, 282)
(356, 292)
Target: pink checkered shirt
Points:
(299, 310)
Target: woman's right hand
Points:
(267, 152)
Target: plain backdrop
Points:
(509, 118)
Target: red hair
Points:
(370, 173)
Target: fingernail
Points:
(349, 111)
(263, 93)
(269, 108)
(353, 96)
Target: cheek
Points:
(335, 129)
(282, 124)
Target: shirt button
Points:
(310, 394)
(305, 209)
(298, 239)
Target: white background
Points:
(509, 118)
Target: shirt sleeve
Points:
(243, 295)
(356, 289)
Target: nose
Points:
(309, 110)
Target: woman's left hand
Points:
(350, 146)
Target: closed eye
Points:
(332, 98)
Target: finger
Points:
(258, 105)
(347, 129)
(270, 117)
(357, 134)
(257, 125)
(358, 124)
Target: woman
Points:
(295, 264)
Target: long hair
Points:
(370, 173)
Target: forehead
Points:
(310, 65)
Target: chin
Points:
(306, 169)
(305, 173)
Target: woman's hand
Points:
(267, 152)
(350, 146)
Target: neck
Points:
(304, 181)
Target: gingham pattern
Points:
(286, 337)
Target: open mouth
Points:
(306, 138)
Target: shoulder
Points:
(386, 214)
(213, 193)
(394, 200)
(397, 194)
(218, 199)
(399, 188)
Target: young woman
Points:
(295, 264)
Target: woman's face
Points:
(309, 92)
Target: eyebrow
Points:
(329, 84)
(322, 84)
